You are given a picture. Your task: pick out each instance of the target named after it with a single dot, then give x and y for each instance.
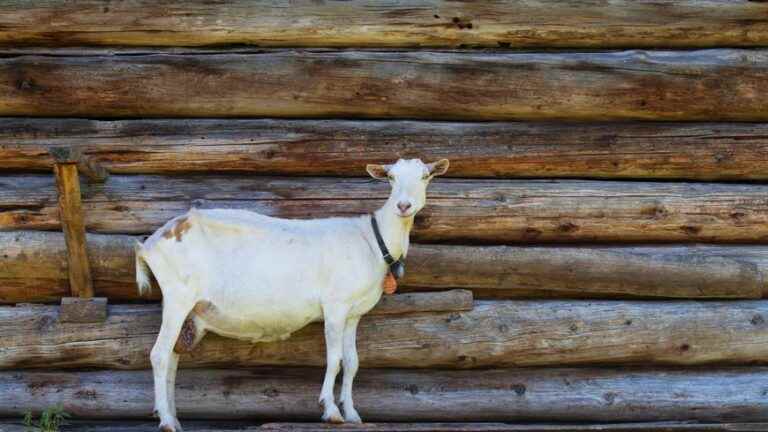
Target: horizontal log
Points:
(467, 211)
(520, 395)
(435, 23)
(580, 272)
(493, 334)
(33, 269)
(708, 85)
(709, 151)
(229, 426)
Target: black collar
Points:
(382, 246)
(395, 265)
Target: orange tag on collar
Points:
(390, 284)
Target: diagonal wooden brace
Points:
(81, 307)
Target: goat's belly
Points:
(258, 324)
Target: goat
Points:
(244, 275)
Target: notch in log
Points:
(85, 165)
(85, 308)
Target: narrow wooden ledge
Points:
(219, 426)
(83, 310)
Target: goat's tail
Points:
(143, 271)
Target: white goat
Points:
(249, 276)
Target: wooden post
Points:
(81, 307)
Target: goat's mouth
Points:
(406, 214)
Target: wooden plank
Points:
(452, 300)
(83, 309)
(32, 270)
(229, 426)
(481, 427)
(519, 395)
(73, 225)
(493, 334)
(413, 23)
(709, 85)
(465, 211)
(708, 151)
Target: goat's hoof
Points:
(174, 426)
(333, 416)
(351, 416)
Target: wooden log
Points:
(229, 426)
(706, 85)
(520, 395)
(709, 151)
(466, 211)
(672, 271)
(32, 270)
(435, 23)
(493, 334)
(73, 225)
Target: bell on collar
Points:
(397, 269)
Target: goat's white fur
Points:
(263, 278)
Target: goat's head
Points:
(409, 180)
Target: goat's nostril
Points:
(403, 206)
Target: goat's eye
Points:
(425, 177)
(390, 178)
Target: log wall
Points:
(608, 164)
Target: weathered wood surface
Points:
(662, 271)
(33, 269)
(709, 85)
(83, 309)
(73, 224)
(452, 300)
(467, 211)
(73, 154)
(229, 426)
(508, 427)
(493, 334)
(414, 23)
(521, 395)
(708, 151)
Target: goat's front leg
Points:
(335, 319)
(350, 369)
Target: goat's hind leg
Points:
(192, 332)
(164, 361)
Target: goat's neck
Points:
(395, 231)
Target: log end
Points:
(83, 310)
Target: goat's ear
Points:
(438, 168)
(379, 172)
